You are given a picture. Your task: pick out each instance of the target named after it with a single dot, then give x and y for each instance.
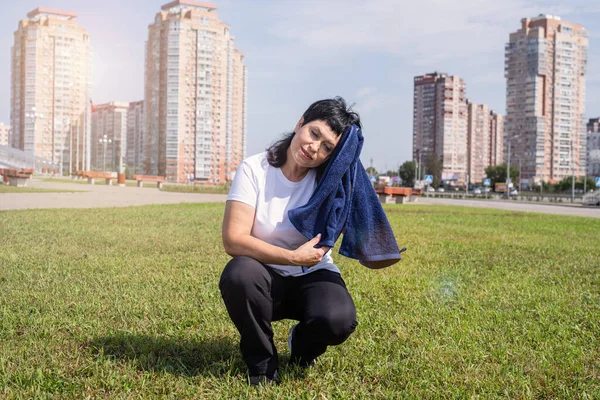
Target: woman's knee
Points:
(241, 272)
(337, 326)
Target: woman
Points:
(275, 272)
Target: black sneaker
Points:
(299, 361)
(258, 380)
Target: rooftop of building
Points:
(189, 3)
(40, 11)
(545, 16)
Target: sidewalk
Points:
(510, 205)
(99, 195)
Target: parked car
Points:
(514, 192)
(487, 190)
(476, 191)
(430, 189)
(440, 189)
(591, 199)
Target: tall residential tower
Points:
(109, 136)
(440, 123)
(50, 88)
(545, 67)
(195, 95)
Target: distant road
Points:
(567, 209)
(99, 195)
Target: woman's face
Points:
(313, 143)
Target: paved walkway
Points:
(99, 195)
(566, 209)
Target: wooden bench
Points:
(394, 194)
(15, 177)
(149, 178)
(92, 175)
(78, 175)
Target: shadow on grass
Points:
(213, 357)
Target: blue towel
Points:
(344, 200)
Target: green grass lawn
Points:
(97, 182)
(15, 189)
(124, 303)
(217, 189)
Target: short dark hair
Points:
(334, 112)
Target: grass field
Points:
(97, 182)
(124, 303)
(15, 189)
(218, 189)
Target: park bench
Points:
(149, 178)
(393, 194)
(78, 175)
(15, 177)
(92, 175)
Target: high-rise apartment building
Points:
(440, 123)
(50, 88)
(195, 95)
(593, 147)
(496, 138)
(545, 67)
(109, 136)
(593, 125)
(479, 141)
(4, 134)
(135, 137)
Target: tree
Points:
(433, 166)
(564, 185)
(407, 173)
(371, 171)
(497, 173)
(589, 184)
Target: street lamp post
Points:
(104, 141)
(572, 174)
(419, 167)
(508, 168)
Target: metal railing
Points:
(15, 158)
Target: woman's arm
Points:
(237, 225)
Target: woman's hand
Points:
(307, 255)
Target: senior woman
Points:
(276, 273)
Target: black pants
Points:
(255, 296)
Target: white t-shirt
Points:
(265, 188)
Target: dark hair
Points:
(334, 112)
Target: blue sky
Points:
(298, 51)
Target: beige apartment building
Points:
(496, 138)
(4, 135)
(593, 147)
(51, 68)
(109, 136)
(195, 96)
(135, 137)
(440, 123)
(484, 140)
(545, 67)
(479, 141)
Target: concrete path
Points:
(99, 195)
(566, 209)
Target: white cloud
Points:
(421, 33)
